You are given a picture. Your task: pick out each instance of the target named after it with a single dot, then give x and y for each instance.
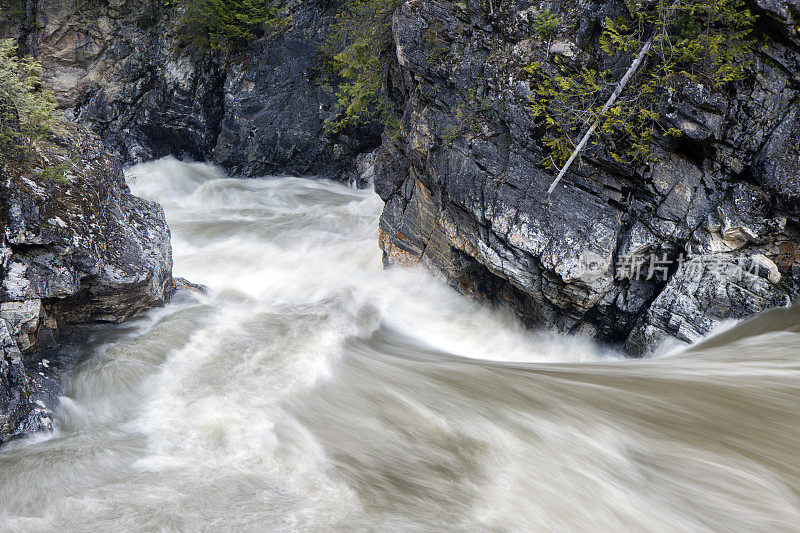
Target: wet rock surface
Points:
(466, 191)
(76, 249)
(277, 100)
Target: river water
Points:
(311, 390)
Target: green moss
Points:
(438, 48)
(468, 118)
(12, 10)
(60, 172)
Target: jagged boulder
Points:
(76, 247)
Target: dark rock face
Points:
(76, 250)
(777, 167)
(119, 68)
(277, 103)
(113, 67)
(21, 409)
(465, 190)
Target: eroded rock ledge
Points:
(74, 249)
(473, 206)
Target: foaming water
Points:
(311, 390)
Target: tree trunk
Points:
(620, 86)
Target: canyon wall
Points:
(466, 189)
(715, 211)
(119, 67)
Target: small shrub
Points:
(696, 41)
(225, 25)
(545, 24)
(358, 50)
(27, 110)
(60, 172)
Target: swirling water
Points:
(311, 390)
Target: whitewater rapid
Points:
(312, 390)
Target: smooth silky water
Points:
(311, 390)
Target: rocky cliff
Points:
(715, 211)
(76, 247)
(119, 67)
(639, 254)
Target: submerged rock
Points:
(183, 284)
(76, 248)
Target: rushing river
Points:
(311, 390)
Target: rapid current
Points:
(312, 390)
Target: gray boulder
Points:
(75, 249)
